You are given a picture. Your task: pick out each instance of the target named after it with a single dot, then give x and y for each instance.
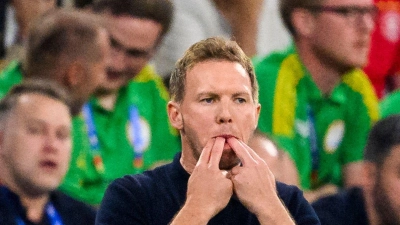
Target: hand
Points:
(208, 187)
(253, 182)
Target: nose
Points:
(50, 144)
(367, 21)
(224, 113)
(117, 59)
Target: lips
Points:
(226, 136)
(48, 164)
(113, 75)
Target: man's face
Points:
(342, 39)
(95, 73)
(217, 103)
(133, 42)
(387, 186)
(35, 143)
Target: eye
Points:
(34, 129)
(63, 134)
(347, 11)
(240, 100)
(207, 100)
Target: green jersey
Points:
(321, 133)
(10, 76)
(390, 104)
(134, 137)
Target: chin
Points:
(228, 160)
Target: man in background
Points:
(377, 201)
(126, 121)
(317, 102)
(35, 149)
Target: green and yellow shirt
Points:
(304, 122)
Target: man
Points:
(317, 103)
(217, 179)
(377, 201)
(127, 116)
(35, 147)
(68, 47)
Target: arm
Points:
(254, 184)
(209, 190)
(243, 17)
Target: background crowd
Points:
(85, 84)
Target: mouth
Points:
(111, 75)
(226, 137)
(48, 164)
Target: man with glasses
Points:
(316, 101)
(127, 124)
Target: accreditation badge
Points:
(138, 134)
(334, 136)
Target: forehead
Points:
(38, 106)
(218, 75)
(132, 31)
(393, 159)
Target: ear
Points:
(174, 115)
(1, 141)
(258, 111)
(370, 173)
(303, 22)
(74, 74)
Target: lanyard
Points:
(51, 211)
(135, 133)
(313, 146)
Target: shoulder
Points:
(149, 79)
(341, 208)
(362, 92)
(389, 105)
(298, 206)
(73, 211)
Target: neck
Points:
(325, 75)
(34, 206)
(33, 202)
(187, 159)
(369, 206)
(107, 101)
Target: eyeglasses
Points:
(135, 53)
(352, 13)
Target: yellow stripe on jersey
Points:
(359, 82)
(285, 98)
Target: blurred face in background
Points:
(35, 144)
(133, 43)
(341, 33)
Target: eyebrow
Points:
(212, 94)
(42, 122)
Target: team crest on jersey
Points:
(390, 24)
(144, 138)
(302, 128)
(334, 136)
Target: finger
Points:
(240, 151)
(216, 152)
(251, 151)
(235, 170)
(205, 154)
